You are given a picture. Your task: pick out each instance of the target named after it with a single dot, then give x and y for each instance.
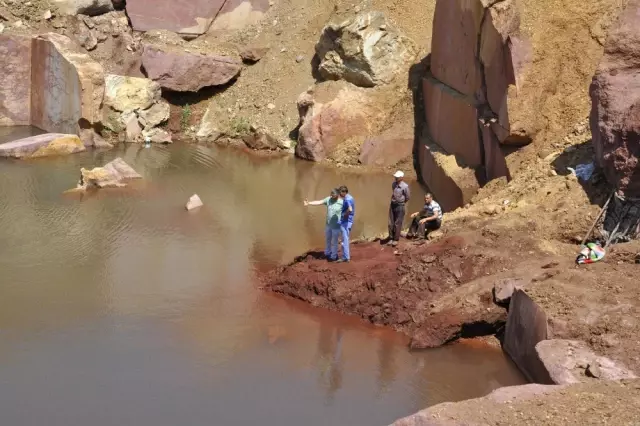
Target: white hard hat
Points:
(398, 174)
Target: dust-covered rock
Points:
(366, 51)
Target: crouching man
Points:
(427, 220)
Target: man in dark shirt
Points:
(399, 197)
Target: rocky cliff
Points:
(468, 82)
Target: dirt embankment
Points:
(435, 292)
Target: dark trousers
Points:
(420, 230)
(396, 218)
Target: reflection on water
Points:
(123, 308)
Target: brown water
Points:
(124, 309)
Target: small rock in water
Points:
(194, 202)
(299, 58)
(271, 106)
(47, 15)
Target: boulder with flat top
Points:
(45, 145)
(180, 70)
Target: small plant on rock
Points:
(185, 117)
(240, 126)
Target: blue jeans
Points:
(331, 242)
(345, 230)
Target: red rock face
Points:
(476, 55)
(615, 112)
(500, 22)
(454, 44)
(182, 71)
(15, 84)
(452, 122)
(494, 162)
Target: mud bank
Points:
(434, 292)
(477, 283)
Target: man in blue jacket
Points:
(346, 222)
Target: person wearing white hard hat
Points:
(400, 196)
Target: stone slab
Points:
(70, 85)
(453, 121)
(501, 20)
(495, 164)
(526, 327)
(15, 83)
(451, 184)
(454, 45)
(187, 17)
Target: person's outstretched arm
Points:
(314, 203)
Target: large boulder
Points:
(84, 7)
(366, 51)
(324, 126)
(186, 17)
(184, 71)
(45, 145)
(15, 84)
(615, 95)
(70, 85)
(132, 104)
(128, 94)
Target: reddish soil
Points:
(401, 288)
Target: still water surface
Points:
(122, 308)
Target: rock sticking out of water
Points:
(194, 202)
(112, 175)
(44, 145)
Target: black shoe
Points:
(342, 261)
(331, 260)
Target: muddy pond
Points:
(122, 308)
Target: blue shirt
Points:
(347, 202)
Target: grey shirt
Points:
(401, 194)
